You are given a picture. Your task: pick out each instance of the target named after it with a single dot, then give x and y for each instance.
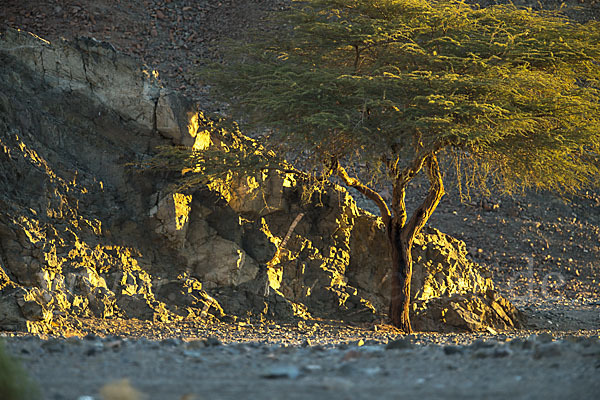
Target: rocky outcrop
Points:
(83, 234)
(449, 291)
(74, 225)
(441, 264)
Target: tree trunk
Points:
(402, 233)
(401, 280)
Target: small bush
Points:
(15, 383)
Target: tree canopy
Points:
(504, 90)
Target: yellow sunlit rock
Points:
(202, 141)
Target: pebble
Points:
(91, 351)
(194, 354)
(450, 350)
(282, 372)
(312, 368)
(545, 337)
(170, 342)
(482, 353)
(481, 344)
(212, 341)
(91, 337)
(528, 344)
(502, 351)
(348, 369)
(74, 340)
(113, 344)
(94, 348)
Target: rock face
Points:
(83, 234)
(75, 234)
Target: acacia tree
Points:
(510, 95)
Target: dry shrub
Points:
(15, 383)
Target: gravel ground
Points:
(287, 363)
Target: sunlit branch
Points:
(367, 191)
(436, 191)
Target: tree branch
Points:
(330, 170)
(367, 191)
(401, 180)
(399, 205)
(436, 191)
(408, 173)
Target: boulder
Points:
(23, 310)
(441, 266)
(449, 291)
(466, 312)
(11, 317)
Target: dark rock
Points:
(545, 337)
(349, 369)
(482, 353)
(552, 349)
(136, 306)
(400, 344)
(450, 350)
(483, 344)
(92, 337)
(11, 317)
(528, 344)
(170, 342)
(212, 342)
(91, 351)
(502, 351)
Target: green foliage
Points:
(15, 384)
(510, 95)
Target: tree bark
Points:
(401, 279)
(401, 236)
